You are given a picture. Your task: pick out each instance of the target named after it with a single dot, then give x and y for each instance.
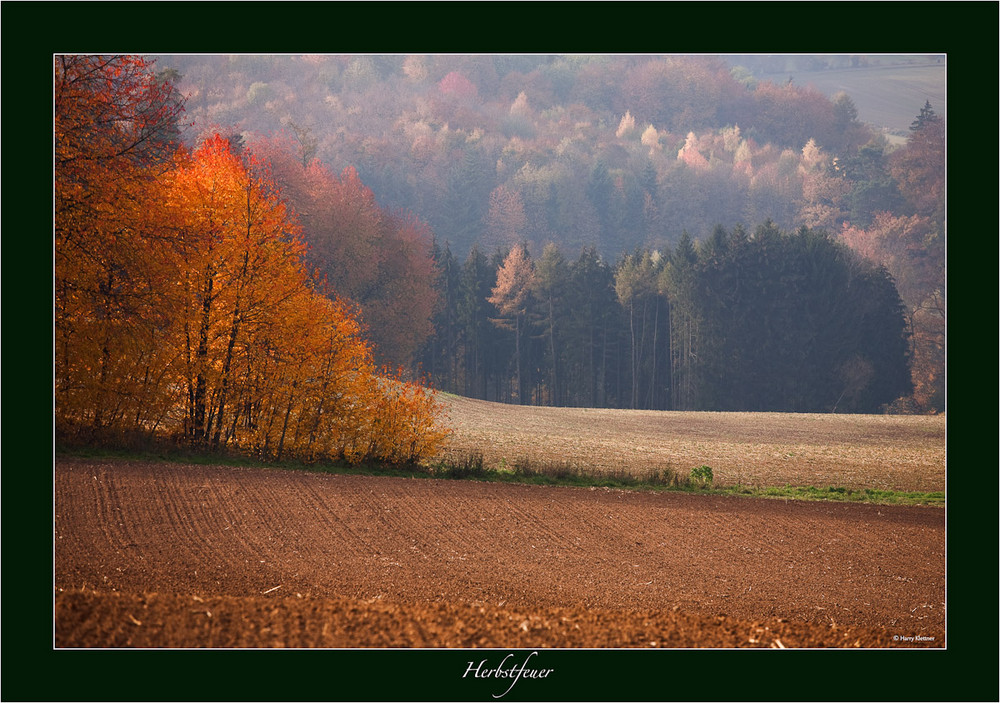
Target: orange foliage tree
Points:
(243, 266)
(913, 250)
(115, 252)
(183, 305)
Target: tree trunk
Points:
(284, 425)
(517, 358)
(226, 368)
(652, 381)
(635, 355)
(201, 358)
(552, 350)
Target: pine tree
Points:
(593, 314)
(551, 278)
(479, 344)
(926, 115)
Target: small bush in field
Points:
(702, 475)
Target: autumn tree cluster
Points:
(379, 260)
(184, 305)
(768, 321)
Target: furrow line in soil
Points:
(406, 541)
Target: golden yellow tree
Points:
(511, 295)
(115, 251)
(271, 364)
(183, 306)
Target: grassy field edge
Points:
(699, 480)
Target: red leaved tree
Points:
(380, 261)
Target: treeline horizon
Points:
(761, 321)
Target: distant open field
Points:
(885, 452)
(886, 96)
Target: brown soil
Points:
(171, 555)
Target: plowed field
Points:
(172, 555)
(885, 452)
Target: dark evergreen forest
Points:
(761, 321)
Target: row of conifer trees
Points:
(761, 321)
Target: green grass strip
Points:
(697, 481)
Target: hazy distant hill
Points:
(885, 89)
(884, 95)
(611, 151)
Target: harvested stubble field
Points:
(156, 554)
(884, 452)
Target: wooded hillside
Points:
(614, 159)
